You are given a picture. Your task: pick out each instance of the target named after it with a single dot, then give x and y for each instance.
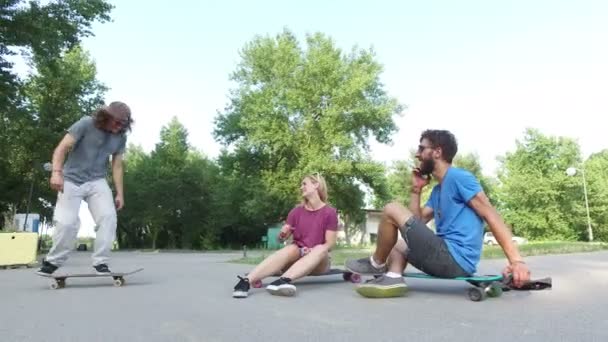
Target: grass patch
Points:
(547, 248)
(340, 255)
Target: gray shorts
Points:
(428, 252)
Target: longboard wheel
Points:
(58, 284)
(257, 284)
(495, 290)
(119, 282)
(355, 278)
(477, 294)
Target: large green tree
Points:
(57, 94)
(536, 197)
(596, 177)
(169, 195)
(31, 108)
(44, 30)
(297, 111)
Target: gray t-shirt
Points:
(90, 156)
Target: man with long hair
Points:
(90, 142)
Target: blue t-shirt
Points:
(456, 222)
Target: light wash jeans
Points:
(98, 196)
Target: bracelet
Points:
(518, 262)
(57, 170)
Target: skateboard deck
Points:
(346, 276)
(59, 278)
(484, 286)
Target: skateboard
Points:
(59, 279)
(346, 276)
(483, 285)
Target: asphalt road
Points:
(187, 297)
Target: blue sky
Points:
(504, 65)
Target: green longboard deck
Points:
(479, 278)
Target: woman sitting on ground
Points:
(314, 226)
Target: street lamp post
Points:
(571, 171)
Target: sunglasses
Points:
(118, 122)
(422, 148)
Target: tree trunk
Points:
(154, 237)
(347, 236)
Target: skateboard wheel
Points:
(476, 294)
(355, 278)
(495, 290)
(257, 284)
(58, 284)
(347, 276)
(119, 282)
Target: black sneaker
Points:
(47, 268)
(242, 288)
(282, 287)
(102, 269)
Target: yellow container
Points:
(18, 248)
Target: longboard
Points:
(491, 285)
(346, 276)
(483, 285)
(59, 278)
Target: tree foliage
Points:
(297, 108)
(536, 197)
(303, 111)
(62, 86)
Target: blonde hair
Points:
(316, 178)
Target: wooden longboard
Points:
(59, 278)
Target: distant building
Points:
(369, 228)
(32, 224)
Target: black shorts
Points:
(428, 252)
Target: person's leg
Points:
(393, 217)
(322, 267)
(428, 252)
(397, 261)
(272, 265)
(392, 283)
(424, 250)
(317, 260)
(103, 210)
(275, 263)
(67, 223)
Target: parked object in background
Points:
(489, 239)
